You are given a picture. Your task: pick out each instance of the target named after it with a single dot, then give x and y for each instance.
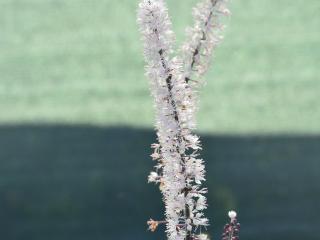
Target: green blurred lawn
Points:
(81, 61)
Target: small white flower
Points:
(201, 203)
(226, 12)
(153, 177)
(189, 227)
(155, 156)
(232, 214)
(203, 237)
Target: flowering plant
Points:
(179, 169)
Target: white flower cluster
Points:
(203, 37)
(179, 169)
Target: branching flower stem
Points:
(179, 170)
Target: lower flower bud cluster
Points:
(232, 229)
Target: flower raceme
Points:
(231, 230)
(203, 37)
(179, 170)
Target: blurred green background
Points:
(77, 118)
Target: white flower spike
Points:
(178, 170)
(203, 38)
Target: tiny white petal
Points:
(232, 214)
(203, 237)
